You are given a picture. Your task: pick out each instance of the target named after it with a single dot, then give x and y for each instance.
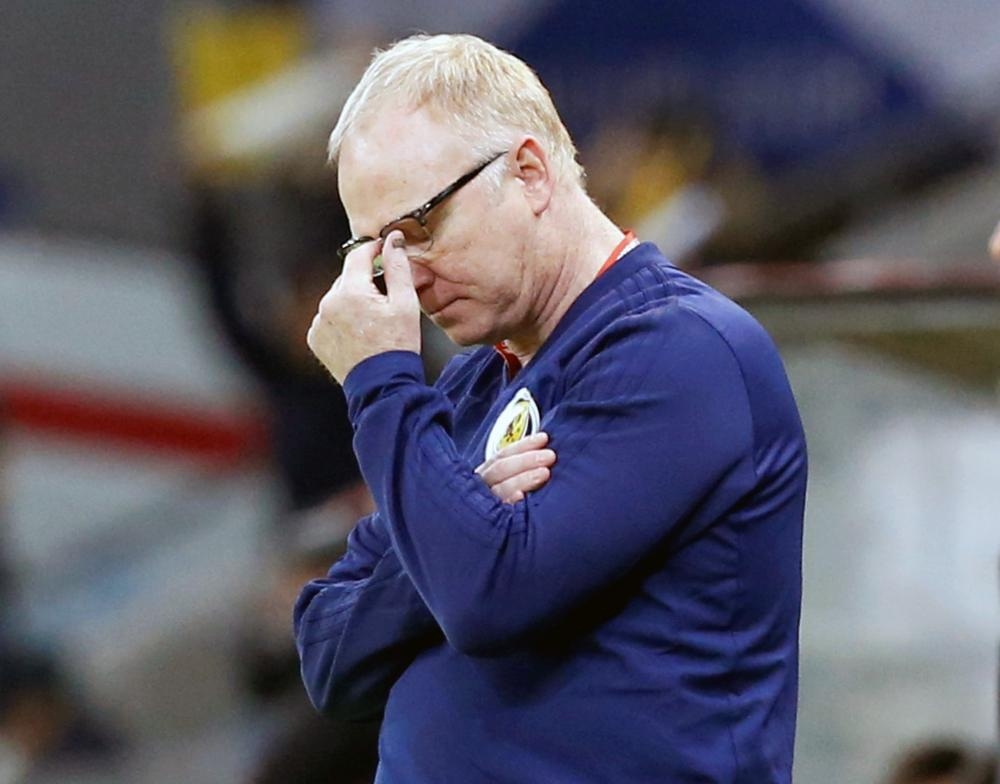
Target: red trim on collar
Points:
(509, 357)
(617, 252)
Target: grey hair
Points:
(489, 95)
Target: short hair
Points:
(489, 94)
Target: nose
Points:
(422, 275)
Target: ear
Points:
(534, 172)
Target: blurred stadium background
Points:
(166, 221)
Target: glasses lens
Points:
(416, 238)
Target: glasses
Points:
(416, 236)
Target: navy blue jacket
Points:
(635, 619)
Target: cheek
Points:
(482, 271)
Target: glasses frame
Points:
(420, 213)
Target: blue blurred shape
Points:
(779, 82)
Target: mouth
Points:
(438, 310)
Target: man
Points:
(628, 612)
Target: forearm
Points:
(358, 628)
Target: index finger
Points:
(357, 270)
(526, 444)
(396, 269)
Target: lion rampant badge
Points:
(519, 419)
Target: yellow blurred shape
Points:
(218, 52)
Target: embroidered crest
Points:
(519, 419)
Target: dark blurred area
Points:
(177, 465)
(944, 762)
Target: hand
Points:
(995, 243)
(356, 321)
(519, 468)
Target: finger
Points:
(526, 444)
(515, 488)
(995, 243)
(397, 273)
(503, 469)
(504, 464)
(357, 271)
(311, 333)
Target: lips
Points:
(437, 310)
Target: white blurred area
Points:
(134, 565)
(902, 557)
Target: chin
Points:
(464, 337)
(462, 333)
(469, 326)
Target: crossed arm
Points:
(447, 559)
(359, 627)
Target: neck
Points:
(564, 269)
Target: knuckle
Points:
(538, 477)
(504, 488)
(326, 308)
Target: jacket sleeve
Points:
(359, 627)
(653, 435)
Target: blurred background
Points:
(175, 466)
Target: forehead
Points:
(393, 161)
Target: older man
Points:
(628, 612)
